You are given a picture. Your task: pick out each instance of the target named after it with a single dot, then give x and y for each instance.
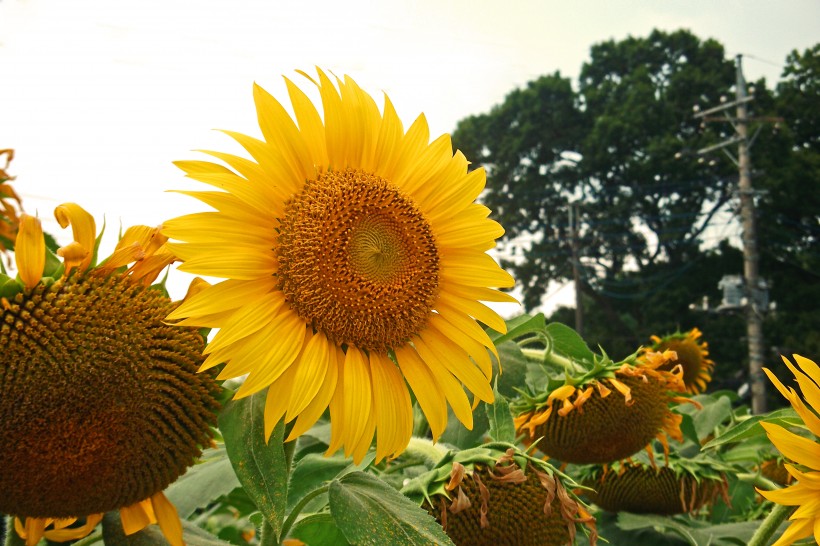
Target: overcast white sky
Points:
(98, 97)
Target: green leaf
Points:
(457, 435)
(203, 483)
(368, 511)
(566, 341)
(751, 427)
(314, 469)
(318, 530)
(502, 428)
(715, 411)
(261, 467)
(518, 327)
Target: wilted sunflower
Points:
(637, 485)
(100, 403)
(584, 421)
(9, 206)
(693, 357)
(804, 451)
(496, 494)
(355, 260)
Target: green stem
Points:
(299, 507)
(425, 450)
(12, 538)
(551, 358)
(758, 481)
(764, 533)
(90, 539)
(268, 536)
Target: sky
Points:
(98, 97)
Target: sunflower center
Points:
(100, 400)
(358, 260)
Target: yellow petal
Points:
(452, 389)
(34, 528)
(358, 397)
(321, 401)
(281, 132)
(431, 400)
(476, 270)
(82, 225)
(477, 310)
(432, 346)
(391, 405)
(225, 261)
(311, 371)
(30, 250)
(224, 296)
(168, 519)
(137, 517)
(794, 447)
(73, 533)
(310, 124)
(465, 325)
(247, 320)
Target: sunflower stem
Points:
(299, 507)
(268, 536)
(545, 356)
(12, 538)
(425, 450)
(764, 533)
(90, 539)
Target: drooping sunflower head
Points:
(605, 415)
(692, 356)
(100, 400)
(496, 494)
(637, 485)
(802, 449)
(355, 263)
(9, 206)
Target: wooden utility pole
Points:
(754, 317)
(753, 286)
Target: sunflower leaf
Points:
(262, 467)
(566, 341)
(368, 511)
(518, 327)
(502, 427)
(751, 427)
(203, 482)
(318, 530)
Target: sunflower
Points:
(100, 400)
(354, 259)
(803, 451)
(606, 414)
(9, 206)
(637, 485)
(497, 494)
(693, 357)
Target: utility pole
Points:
(753, 308)
(576, 273)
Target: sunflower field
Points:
(337, 374)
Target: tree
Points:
(611, 147)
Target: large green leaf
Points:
(261, 466)
(751, 427)
(318, 530)
(314, 470)
(203, 482)
(716, 410)
(566, 341)
(368, 511)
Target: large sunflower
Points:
(100, 403)
(355, 260)
(805, 452)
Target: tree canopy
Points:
(617, 146)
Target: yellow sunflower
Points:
(355, 260)
(805, 452)
(693, 357)
(607, 414)
(101, 404)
